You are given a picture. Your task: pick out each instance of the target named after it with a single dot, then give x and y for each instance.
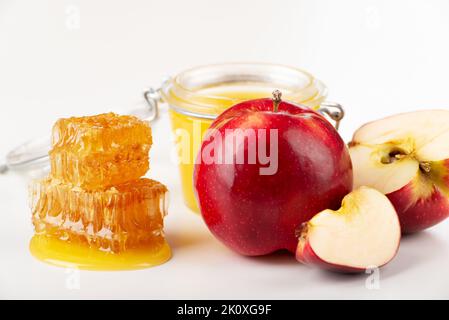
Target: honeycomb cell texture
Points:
(97, 152)
(94, 194)
(126, 216)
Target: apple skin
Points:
(420, 208)
(257, 214)
(419, 214)
(306, 255)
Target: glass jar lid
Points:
(206, 91)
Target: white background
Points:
(377, 58)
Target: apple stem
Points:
(276, 99)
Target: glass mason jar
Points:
(197, 96)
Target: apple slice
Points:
(406, 157)
(364, 233)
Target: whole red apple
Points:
(295, 165)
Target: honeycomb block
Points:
(97, 152)
(126, 216)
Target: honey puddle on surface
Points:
(71, 255)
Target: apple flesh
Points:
(257, 214)
(406, 157)
(364, 233)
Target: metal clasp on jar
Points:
(333, 110)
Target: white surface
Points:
(377, 58)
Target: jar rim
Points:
(185, 92)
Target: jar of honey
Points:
(197, 96)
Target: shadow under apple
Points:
(415, 249)
(281, 257)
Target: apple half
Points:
(406, 157)
(364, 233)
